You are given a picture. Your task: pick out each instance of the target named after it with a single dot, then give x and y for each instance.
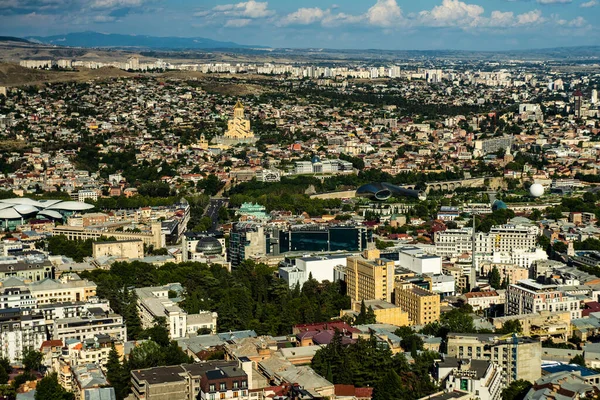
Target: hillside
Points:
(15, 75)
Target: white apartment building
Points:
(528, 297)
(16, 297)
(453, 242)
(88, 327)
(19, 331)
(483, 379)
(154, 303)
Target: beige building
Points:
(545, 324)
(385, 313)
(519, 357)
(422, 306)
(125, 249)
(69, 288)
(369, 277)
(511, 272)
(155, 238)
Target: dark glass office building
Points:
(324, 238)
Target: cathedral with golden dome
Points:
(238, 129)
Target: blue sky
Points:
(379, 24)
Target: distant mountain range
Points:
(95, 39)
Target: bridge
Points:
(451, 185)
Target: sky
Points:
(338, 24)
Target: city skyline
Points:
(373, 24)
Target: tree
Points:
(117, 374)
(32, 360)
(389, 387)
(516, 390)
(5, 365)
(578, 359)
(511, 326)
(494, 278)
(3, 376)
(49, 389)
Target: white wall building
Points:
(528, 297)
(321, 268)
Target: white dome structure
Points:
(14, 212)
(536, 190)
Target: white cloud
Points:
(237, 22)
(452, 13)
(578, 22)
(304, 16)
(115, 3)
(588, 4)
(530, 18)
(248, 9)
(554, 1)
(384, 13)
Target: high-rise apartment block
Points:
(369, 277)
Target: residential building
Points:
(519, 357)
(36, 270)
(296, 271)
(88, 327)
(422, 305)
(20, 330)
(527, 296)
(369, 277)
(482, 378)
(154, 303)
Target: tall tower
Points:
(578, 101)
(238, 110)
(594, 96)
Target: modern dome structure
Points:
(536, 190)
(14, 212)
(209, 246)
(382, 191)
(499, 205)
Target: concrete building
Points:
(509, 272)
(527, 297)
(482, 378)
(520, 358)
(423, 306)
(385, 313)
(213, 380)
(155, 238)
(246, 240)
(20, 330)
(296, 271)
(88, 327)
(369, 277)
(483, 300)
(68, 288)
(123, 249)
(154, 303)
(33, 271)
(418, 261)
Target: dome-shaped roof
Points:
(209, 246)
(499, 205)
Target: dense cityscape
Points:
(418, 229)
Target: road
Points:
(212, 210)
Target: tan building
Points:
(369, 277)
(69, 288)
(155, 237)
(125, 249)
(511, 272)
(385, 313)
(519, 357)
(239, 126)
(545, 324)
(422, 306)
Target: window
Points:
(222, 395)
(211, 387)
(235, 384)
(222, 386)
